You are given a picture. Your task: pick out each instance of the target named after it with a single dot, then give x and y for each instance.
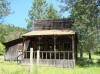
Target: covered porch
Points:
(56, 47)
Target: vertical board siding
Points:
(11, 53)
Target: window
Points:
(20, 47)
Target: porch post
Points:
(55, 49)
(39, 43)
(73, 48)
(38, 52)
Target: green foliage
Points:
(1, 49)
(85, 14)
(52, 13)
(2, 34)
(4, 8)
(41, 10)
(37, 11)
(10, 32)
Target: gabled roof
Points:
(49, 32)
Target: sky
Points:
(20, 11)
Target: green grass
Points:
(81, 68)
(12, 68)
(1, 58)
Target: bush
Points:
(2, 49)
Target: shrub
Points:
(2, 47)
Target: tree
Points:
(4, 9)
(52, 13)
(41, 10)
(85, 15)
(10, 32)
(38, 11)
(1, 48)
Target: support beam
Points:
(38, 53)
(55, 49)
(39, 42)
(73, 46)
(73, 49)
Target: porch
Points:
(54, 49)
(47, 58)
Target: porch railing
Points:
(47, 58)
(50, 54)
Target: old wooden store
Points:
(54, 39)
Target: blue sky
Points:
(20, 9)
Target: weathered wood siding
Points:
(13, 48)
(52, 62)
(52, 24)
(11, 53)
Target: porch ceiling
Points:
(49, 32)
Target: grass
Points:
(1, 58)
(12, 68)
(81, 68)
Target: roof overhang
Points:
(49, 32)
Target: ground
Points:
(82, 67)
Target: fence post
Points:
(38, 58)
(31, 59)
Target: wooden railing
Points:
(50, 54)
(47, 58)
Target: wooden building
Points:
(54, 39)
(13, 49)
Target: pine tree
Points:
(85, 14)
(38, 11)
(41, 10)
(52, 13)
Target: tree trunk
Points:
(90, 55)
(81, 53)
